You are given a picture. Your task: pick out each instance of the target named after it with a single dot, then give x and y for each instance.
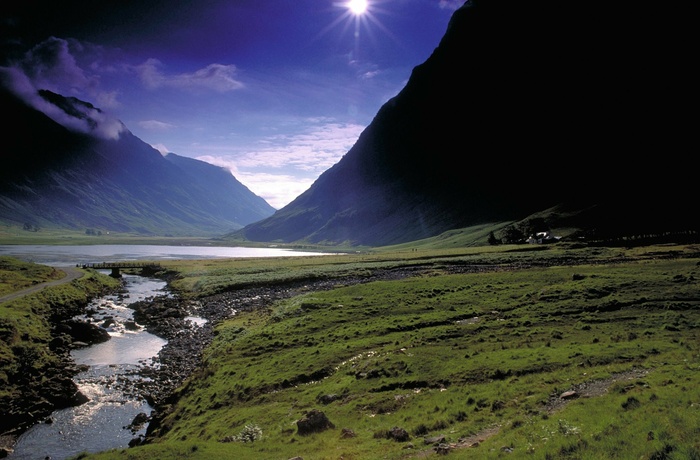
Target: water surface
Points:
(63, 255)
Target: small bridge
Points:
(116, 266)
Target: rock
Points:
(60, 342)
(346, 433)
(137, 423)
(7, 444)
(327, 399)
(61, 391)
(569, 395)
(442, 449)
(82, 331)
(314, 421)
(136, 442)
(399, 434)
(435, 439)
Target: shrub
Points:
(249, 433)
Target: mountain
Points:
(97, 175)
(523, 107)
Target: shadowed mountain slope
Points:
(61, 178)
(522, 107)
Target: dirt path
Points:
(71, 273)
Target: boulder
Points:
(82, 331)
(399, 434)
(313, 421)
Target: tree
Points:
(511, 235)
(493, 241)
(534, 226)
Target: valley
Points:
(557, 352)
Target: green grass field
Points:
(475, 361)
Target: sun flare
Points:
(357, 7)
(359, 16)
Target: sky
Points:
(276, 91)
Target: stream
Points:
(103, 422)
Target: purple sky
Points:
(274, 90)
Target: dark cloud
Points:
(51, 65)
(86, 119)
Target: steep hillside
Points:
(53, 176)
(523, 107)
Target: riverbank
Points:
(36, 336)
(181, 357)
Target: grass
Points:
(16, 275)
(16, 235)
(474, 357)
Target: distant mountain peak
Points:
(57, 177)
(80, 116)
(72, 106)
(70, 112)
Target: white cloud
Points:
(300, 158)
(315, 150)
(51, 65)
(451, 4)
(277, 189)
(107, 100)
(155, 125)
(161, 148)
(54, 64)
(216, 77)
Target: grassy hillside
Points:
(13, 234)
(475, 364)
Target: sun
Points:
(357, 7)
(360, 15)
